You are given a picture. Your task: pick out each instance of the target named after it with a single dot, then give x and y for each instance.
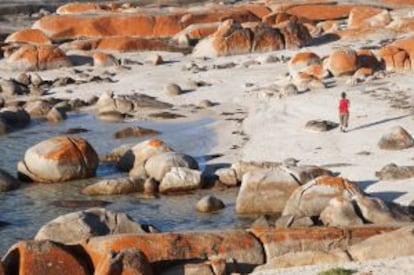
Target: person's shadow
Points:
(378, 122)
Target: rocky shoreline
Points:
(269, 75)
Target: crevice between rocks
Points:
(263, 250)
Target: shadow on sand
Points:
(378, 122)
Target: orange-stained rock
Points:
(77, 7)
(95, 26)
(59, 159)
(279, 241)
(321, 12)
(295, 34)
(267, 39)
(104, 60)
(399, 2)
(236, 244)
(231, 38)
(275, 18)
(302, 61)
(126, 262)
(406, 44)
(394, 59)
(258, 10)
(329, 26)
(368, 16)
(30, 36)
(219, 15)
(43, 257)
(42, 57)
(342, 62)
(197, 31)
(120, 44)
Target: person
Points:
(344, 112)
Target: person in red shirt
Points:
(344, 112)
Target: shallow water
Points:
(29, 207)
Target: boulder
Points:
(320, 125)
(178, 178)
(293, 222)
(183, 246)
(158, 165)
(229, 39)
(227, 176)
(59, 159)
(56, 115)
(305, 258)
(374, 210)
(30, 36)
(320, 12)
(209, 204)
(395, 59)
(366, 16)
(342, 62)
(128, 261)
(279, 241)
(116, 154)
(172, 89)
(77, 227)
(33, 58)
(12, 88)
(295, 34)
(301, 61)
(104, 60)
(136, 157)
(267, 191)
(38, 108)
(394, 172)
(393, 244)
(397, 138)
(15, 117)
(77, 7)
(267, 39)
(8, 182)
(243, 167)
(312, 198)
(135, 132)
(43, 257)
(340, 212)
(120, 44)
(115, 186)
(23, 78)
(232, 38)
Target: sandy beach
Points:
(249, 112)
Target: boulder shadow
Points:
(79, 60)
(387, 196)
(323, 39)
(365, 183)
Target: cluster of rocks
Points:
(97, 241)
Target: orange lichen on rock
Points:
(321, 12)
(30, 36)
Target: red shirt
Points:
(344, 106)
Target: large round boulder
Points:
(301, 61)
(343, 62)
(59, 159)
(79, 226)
(159, 165)
(180, 179)
(396, 138)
